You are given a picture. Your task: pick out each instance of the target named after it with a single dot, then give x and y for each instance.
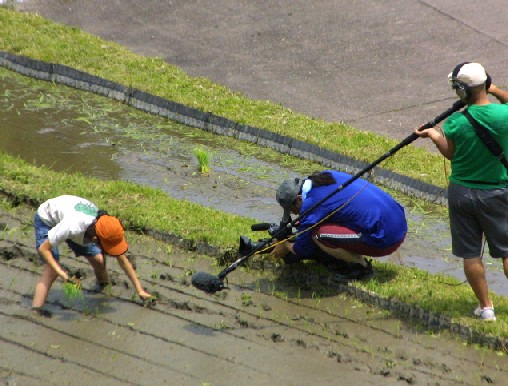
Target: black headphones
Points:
(101, 213)
(462, 89)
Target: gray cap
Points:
(286, 195)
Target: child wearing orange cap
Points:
(88, 233)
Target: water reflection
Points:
(33, 130)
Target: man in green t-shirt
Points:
(478, 188)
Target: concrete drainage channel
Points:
(221, 126)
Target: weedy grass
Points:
(246, 299)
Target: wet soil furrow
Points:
(159, 344)
(358, 345)
(335, 354)
(64, 360)
(48, 326)
(319, 328)
(325, 327)
(179, 278)
(195, 351)
(274, 314)
(163, 340)
(22, 376)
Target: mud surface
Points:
(277, 326)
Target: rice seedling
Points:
(72, 291)
(246, 299)
(203, 160)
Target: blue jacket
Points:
(373, 212)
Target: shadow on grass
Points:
(432, 302)
(309, 279)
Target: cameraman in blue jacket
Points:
(359, 220)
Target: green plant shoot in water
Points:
(203, 160)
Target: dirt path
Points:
(272, 327)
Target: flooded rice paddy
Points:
(74, 131)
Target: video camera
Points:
(278, 232)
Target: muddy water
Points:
(74, 131)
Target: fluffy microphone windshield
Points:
(207, 282)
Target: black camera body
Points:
(277, 232)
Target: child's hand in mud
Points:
(75, 280)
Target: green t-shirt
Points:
(473, 165)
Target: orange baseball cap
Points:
(109, 231)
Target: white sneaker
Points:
(478, 311)
(486, 313)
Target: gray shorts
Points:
(474, 213)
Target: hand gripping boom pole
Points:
(211, 283)
(406, 141)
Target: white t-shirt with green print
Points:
(69, 217)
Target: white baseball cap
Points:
(471, 74)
